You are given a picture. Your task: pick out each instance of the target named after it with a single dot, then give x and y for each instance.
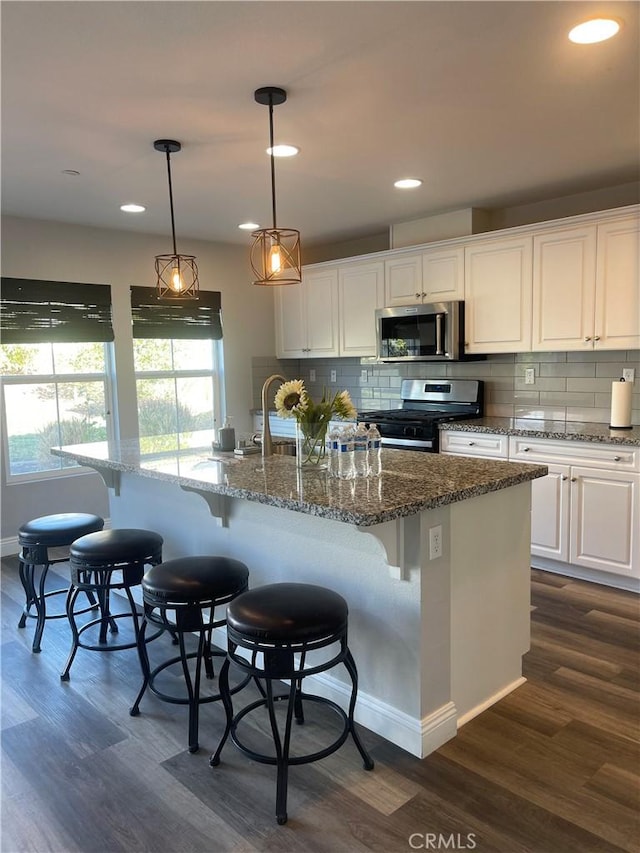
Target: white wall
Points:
(55, 251)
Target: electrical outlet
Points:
(530, 376)
(333, 376)
(364, 376)
(312, 375)
(435, 542)
(629, 374)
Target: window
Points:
(53, 359)
(178, 365)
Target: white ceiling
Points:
(487, 102)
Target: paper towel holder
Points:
(621, 404)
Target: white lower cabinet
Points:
(550, 514)
(586, 511)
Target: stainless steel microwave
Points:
(433, 332)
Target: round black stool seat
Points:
(101, 563)
(181, 596)
(288, 612)
(277, 626)
(35, 537)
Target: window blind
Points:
(37, 312)
(193, 319)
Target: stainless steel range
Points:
(425, 404)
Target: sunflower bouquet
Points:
(293, 401)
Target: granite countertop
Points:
(410, 481)
(563, 430)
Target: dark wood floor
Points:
(551, 768)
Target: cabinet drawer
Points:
(585, 453)
(474, 444)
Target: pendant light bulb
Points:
(275, 258)
(177, 283)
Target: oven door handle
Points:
(408, 443)
(439, 318)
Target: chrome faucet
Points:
(267, 443)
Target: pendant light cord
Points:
(173, 224)
(273, 164)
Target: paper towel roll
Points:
(621, 404)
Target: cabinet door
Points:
(291, 325)
(564, 277)
(320, 289)
(360, 291)
(443, 274)
(403, 280)
(497, 287)
(617, 315)
(605, 520)
(484, 444)
(550, 514)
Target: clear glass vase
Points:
(311, 444)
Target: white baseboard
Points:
(417, 736)
(500, 694)
(581, 573)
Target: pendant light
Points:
(275, 253)
(177, 275)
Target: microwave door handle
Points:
(439, 334)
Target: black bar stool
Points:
(276, 623)
(101, 563)
(181, 596)
(35, 537)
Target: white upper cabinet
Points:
(307, 316)
(617, 299)
(564, 277)
(497, 290)
(403, 280)
(360, 292)
(443, 274)
(437, 275)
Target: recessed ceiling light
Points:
(72, 172)
(284, 151)
(132, 208)
(590, 32)
(408, 183)
(249, 226)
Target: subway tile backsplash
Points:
(571, 386)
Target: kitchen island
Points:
(432, 557)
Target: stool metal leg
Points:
(225, 695)
(72, 595)
(144, 665)
(353, 672)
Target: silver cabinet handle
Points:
(525, 449)
(564, 477)
(597, 338)
(423, 293)
(617, 458)
(418, 295)
(471, 443)
(574, 479)
(587, 338)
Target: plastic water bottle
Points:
(360, 451)
(333, 441)
(375, 450)
(346, 469)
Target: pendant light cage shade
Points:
(275, 252)
(275, 256)
(176, 275)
